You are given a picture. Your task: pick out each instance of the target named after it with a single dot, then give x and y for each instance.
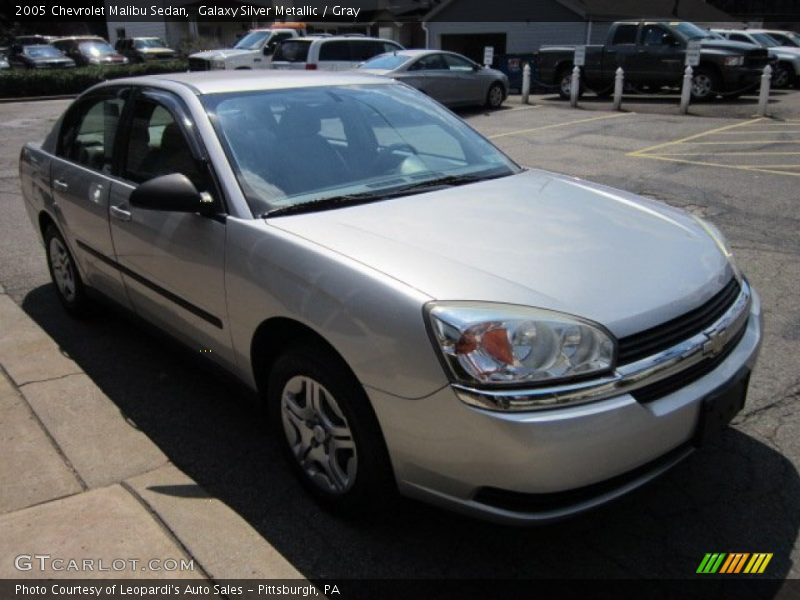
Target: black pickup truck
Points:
(652, 54)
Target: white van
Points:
(337, 53)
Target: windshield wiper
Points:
(385, 194)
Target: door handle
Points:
(120, 213)
(60, 185)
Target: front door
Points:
(81, 176)
(172, 263)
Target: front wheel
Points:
(495, 96)
(783, 76)
(705, 85)
(328, 430)
(64, 273)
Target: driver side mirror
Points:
(269, 49)
(173, 193)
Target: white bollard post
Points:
(526, 83)
(619, 84)
(686, 90)
(574, 86)
(763, 94)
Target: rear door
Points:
(172, 263)
(335, 55)
(467, 87)
(81, 180)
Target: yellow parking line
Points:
(518, 131)
(724, 154)
(710, 164)
(743, 142)
(772, 166)
(643, 151)
(759, 131)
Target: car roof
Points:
(340, 38)
(218, 82)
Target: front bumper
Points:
(449, 453)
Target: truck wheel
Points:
(565, 83)
(328, 430)
(705, 85)
(64, 273)
(783, 75)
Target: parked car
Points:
(652, 53)
(35, 39)
(783, 36)
(90, 50)
(144, 49)
(417, 311)
(450, 78)
(4, 64)
(38, 56)
(787, 66)
(335, 53)
(253, 51)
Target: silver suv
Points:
(329, 53)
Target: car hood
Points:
(712, 44)
(220, 54)
(535, 239)
(160, 50)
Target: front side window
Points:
(87, 136)
(157, 146)
(653, 35)
(385, 61)
(300, 146)
(431, 62)
(457, 63)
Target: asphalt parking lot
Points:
(741, 494)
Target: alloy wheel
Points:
(63, 270)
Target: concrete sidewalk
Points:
(99, 489)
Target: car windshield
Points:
(691, 31)
(143, 43)
(767, 41)
(385, 61)
(299, 148)
(253, 40)
(95, 48)
(42, 51)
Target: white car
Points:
(336, 53)
(253, 51)
(787, 70)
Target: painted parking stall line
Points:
(753, 145)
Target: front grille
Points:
(664, 336)
(673, 383)
(756, 59)
(521, 502)
(199, 64)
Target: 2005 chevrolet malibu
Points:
(418, 312)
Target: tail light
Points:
(311, 67)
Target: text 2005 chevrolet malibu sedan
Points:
(418, 312)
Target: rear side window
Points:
(625, 34)
(336, 50)
(292, 51)
(87, 137)
(364, 50)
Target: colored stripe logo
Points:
(734, 563)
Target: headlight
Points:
(502, 344)
(734, 61)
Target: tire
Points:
(328, 431)
(783, 76)
(64, 274)
(495, 96)
(705, 85)
(564, 81)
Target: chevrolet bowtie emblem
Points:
(716, 342)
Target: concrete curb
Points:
(137, 497)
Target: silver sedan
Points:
(450, 78)
(418, 312)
